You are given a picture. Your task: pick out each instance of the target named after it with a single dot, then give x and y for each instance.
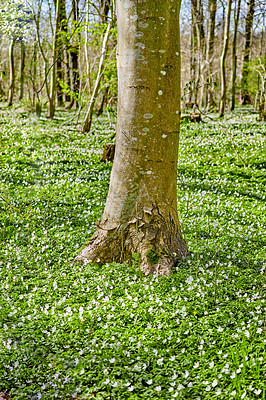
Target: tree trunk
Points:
(88, 118)
(197, 10)
(210, 49)
(86, 45)
(60, 78)
(62, 29)
(245, 68)
(36, 18)
(104, 9)
(51, 105)
(234, 56)
(11, 73)
(140, 215)
(192, 86)
(22, 68)
(74, 55)
(223, 57)
(67, 74)
(103, 102)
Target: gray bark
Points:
(223, 57)
(210, 49)
(62, 29)
(74, 57)
(11, 73)
(51, 105)
(88, 118)
(22, 68)
(140, 214)
(104, 9)
(193, 40)
(198, 17)
(234, 55)
(246, 53)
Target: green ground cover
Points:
(108, 332)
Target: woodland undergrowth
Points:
(89, 332)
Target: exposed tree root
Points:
(158, 243)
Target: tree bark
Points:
(11, 73)
(22, 68)
(234, 55)
(51, 105)
(223, 57)
(104, 9)
(193, 40)
(197, 10)
(88, 118)
(210, 49)
(73, 56)
(86, 45)
(36, 18)
(140, 214)
(246, 53)
(62, 29)
(103, 102)
(67, 74)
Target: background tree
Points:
(51, 106)
(212, 5)
(234, 55)
(61, 41)
(88, 117)
(11, 73)
(22, 69)
(246, 53)
(223, 57)
(15, 23)
(199, 38)
(74, 54)
(79, 44)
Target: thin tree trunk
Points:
(33, 73)
(103, 102)
(60, 78)
(67, 74)
(223, 57)
(2, 86)
(198, 17)
(234, 56)
(192, 94)
(62, 29)
(36, 18)
(87, 58)
(88, 118)
(104, 9)
(51, 105)
(22, 68)
(74, 59)
(210, 49)
(246, 53)
(11, 73)
(140, 215)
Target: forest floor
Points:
(69, 331)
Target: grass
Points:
(89, 332)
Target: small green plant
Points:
(152, 256)
(135, 260)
